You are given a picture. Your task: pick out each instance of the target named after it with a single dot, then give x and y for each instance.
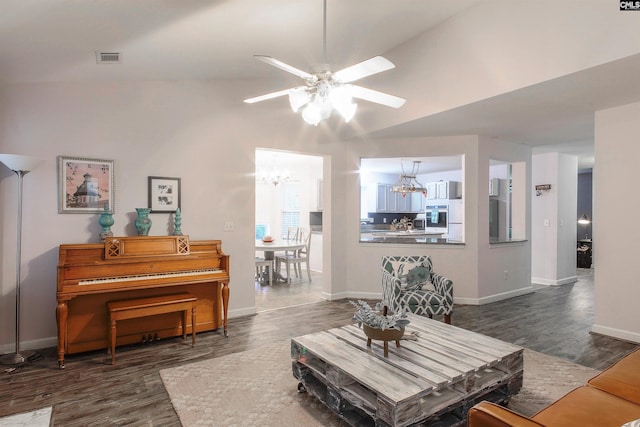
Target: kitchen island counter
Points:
(372, 238)
(412, 234)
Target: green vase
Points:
(143, 222)
(106, 221)
(177, 222)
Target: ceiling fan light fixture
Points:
(340, 95)
(298, 98)
(312, 114)
(347, 111)
(326, 90)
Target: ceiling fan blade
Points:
(268, 96)
(366, 68)
(377, 97)
(286, 67)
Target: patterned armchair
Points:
(409, 282)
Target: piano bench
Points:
(141, 307)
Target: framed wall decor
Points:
(164, 194)
(85, 185)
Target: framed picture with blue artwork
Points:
(164, 194)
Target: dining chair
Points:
(297, 258)
(293, 233)
(264, 267)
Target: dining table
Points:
(278, 245)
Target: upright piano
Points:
(121, 268)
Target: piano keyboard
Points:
(172, 274)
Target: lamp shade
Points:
(17, 162)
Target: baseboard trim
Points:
(240, 312)
(616, 333)
(53, 341)
(548, 282)
(493, 298)
(29, 345)
(352, 295)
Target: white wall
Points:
(496, 39)
(199, 131)
(567, 208)
(476, 267)
(514, 257)
(615, 225)
(553, 219)
(203, 133)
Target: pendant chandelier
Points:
(275, 178)
(275, 174)
(407, 183)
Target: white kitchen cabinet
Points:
(442, 187)
(389, 202)
(386, 201)
(381, 198)
(392, 200)
(403, 203)
(417, 202)
(448, 190)
(432, 191)
(444, 190)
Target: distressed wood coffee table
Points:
(433, 380)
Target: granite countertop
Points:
(408, 234)
(371, 238)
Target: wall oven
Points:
(436, 217)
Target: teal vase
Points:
(143, 222)
(177, 222)
(106, 221)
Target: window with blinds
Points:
(290, 215)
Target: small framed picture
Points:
(85, 185)
(164, 194)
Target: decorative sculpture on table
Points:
(106, 221)
(378, 324)
(143, 222)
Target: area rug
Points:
(257, 388)
(37, 418)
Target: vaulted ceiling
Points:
(45, 41)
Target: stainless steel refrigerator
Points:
(494, 219)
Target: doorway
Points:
(289, 194)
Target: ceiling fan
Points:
(325, 90)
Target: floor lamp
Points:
(21, 165)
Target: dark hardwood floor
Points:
(91, 392)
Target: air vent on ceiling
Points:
(108, 57)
